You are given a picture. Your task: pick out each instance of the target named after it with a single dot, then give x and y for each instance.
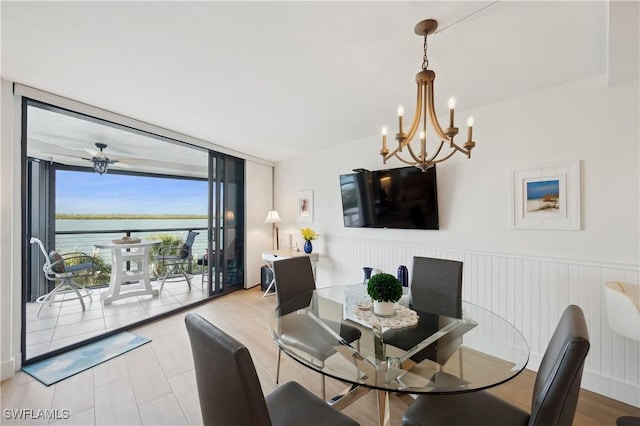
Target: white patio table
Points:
(132, 253)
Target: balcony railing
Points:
(85, 240)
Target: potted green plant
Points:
(385, 290)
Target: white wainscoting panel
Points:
(530, 292)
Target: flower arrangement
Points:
(309, 234)
(384, 288)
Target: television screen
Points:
(403, 198)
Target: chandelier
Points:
(426, 112)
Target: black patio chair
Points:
(177, 258)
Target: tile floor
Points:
(62, 324)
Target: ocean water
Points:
(86, 241)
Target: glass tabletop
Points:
(413, 351)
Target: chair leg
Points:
(80, 288)
(170, 269)
(48, 298)
(186, 276)
(75, 288)
(278, 367)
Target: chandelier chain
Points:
(425, 61)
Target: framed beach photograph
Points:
(547, 197)
(305, 206)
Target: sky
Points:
(540, 188)
(91, 193)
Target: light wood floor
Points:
(155, 384)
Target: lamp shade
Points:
(272, 217)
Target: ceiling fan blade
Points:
(123, 165)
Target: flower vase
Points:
(384, 309)
(367, 274)
(308, 247)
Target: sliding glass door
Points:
(226, 223)
(88, 182)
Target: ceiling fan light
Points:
(100, 166)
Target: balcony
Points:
(64, 323)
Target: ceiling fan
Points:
(100, 160)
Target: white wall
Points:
(258, 202)
(9, 231)
(537, 272)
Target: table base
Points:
(355, 392)
(119, 293)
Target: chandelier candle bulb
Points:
(384, 138)
(452, 106)
(470, 128)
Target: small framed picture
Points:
(547, 197)
(305, 206)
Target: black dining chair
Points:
(230, 391)
(555, 393)
(436, 290)
(294, 280)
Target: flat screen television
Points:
(405, 198)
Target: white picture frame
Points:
(304, 207)
(547, 197)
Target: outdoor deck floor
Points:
(62, 324)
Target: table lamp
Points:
(273, 217)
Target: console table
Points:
(271, 256)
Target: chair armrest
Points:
(76, 264)
(173, 253)
(166, 251)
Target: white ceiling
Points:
(278, 79)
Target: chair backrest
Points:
(53, 262)
(188, 244)
(555, 393)
(228, 385)
(47, 259)
(623, 308)
(293, 276)
(185, 249)
(436, 286)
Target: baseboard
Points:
(602, 385)
(7, 369)
(612, 388)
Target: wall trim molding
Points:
(602, 263)
(529, 291)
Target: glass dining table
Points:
(412, 351)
